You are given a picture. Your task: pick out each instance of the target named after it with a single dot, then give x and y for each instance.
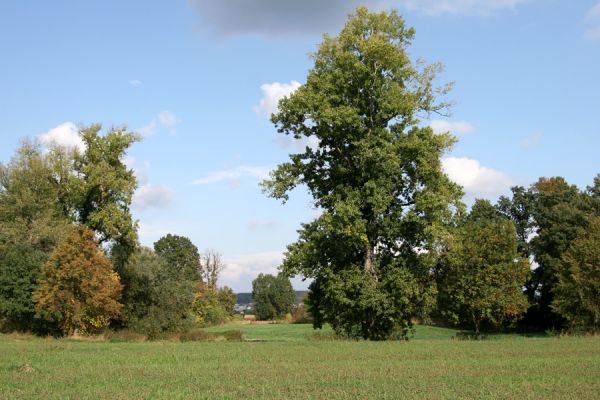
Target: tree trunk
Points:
(368, 268)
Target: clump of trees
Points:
(61, 210)
(272, 296)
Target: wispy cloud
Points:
(233, 175)
(592, 21)
(135, 83)
(460, 7)
(454, 127)
(478, 181)
(165, 119)
(64, 135)
(272, 93)
(532, 140)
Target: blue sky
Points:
(198, 78)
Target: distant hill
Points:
(246, 298)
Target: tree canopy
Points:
(272, 296)
(375, 174)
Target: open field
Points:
(510, 367)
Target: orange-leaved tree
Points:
(79, 288)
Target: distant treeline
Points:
(246, 298)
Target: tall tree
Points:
(560, 212)
(32, 222)
(181, 255)
(272, 296)
(520, 209)
(577, 290)
(481, 280)
(78, 287)
(104, 186)
(375, 173)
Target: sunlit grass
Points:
(542, 368)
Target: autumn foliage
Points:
(79, 287)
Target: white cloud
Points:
(233, 175)
(165, 119)
(64, 135)
(592, 18)
(593, 13)
(148, 195)
(454, 127)
(168, 119)
(148, 129)
(151, 196)
(272, 93)
(459, 7)
(478, 181)
(241, 270)
(135, 83)
(258, 225)
(532, 140)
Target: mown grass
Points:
(524, 368)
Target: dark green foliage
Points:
(520, 209)
(577, 290)
(481, 278)
(376, 174)
(560, 212)
(154, 300)
(20, 267)
(181, 255)
(272, 296)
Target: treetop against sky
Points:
(199, 79)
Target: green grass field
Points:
(291, 365)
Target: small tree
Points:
(155, 299)
(482, 278)
(577, 293)
(272, 296)
(78, 287)
(181, 255)
(211, 267)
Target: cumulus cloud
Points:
(233, 175)
(148, 195)
(153, 196)
(592, 19)
(478, 181)
(276, 17)
(164, 119)
(272, 93)
(64, 135)
(454, 127)
(241, 270)
(135, 83)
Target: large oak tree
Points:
(375, 174)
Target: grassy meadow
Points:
(286, 361)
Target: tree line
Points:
(70, 259)
(393, 244)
